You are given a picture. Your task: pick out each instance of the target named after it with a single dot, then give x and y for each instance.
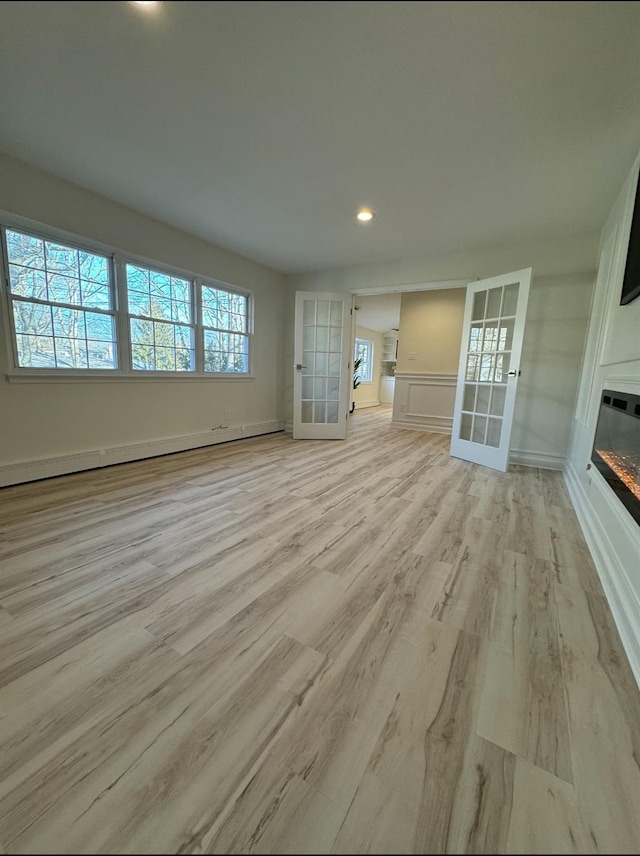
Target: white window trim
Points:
(122, 262)
(370, 362)
(118, 261)
(6, 314)
(211, 283)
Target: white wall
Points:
(42, 420)
(612, 361)
(368, 394)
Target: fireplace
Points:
(616, 447)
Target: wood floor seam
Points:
(275, 646)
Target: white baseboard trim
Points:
(372, 402)
(621, 596)
(58, 465)
(432, 424)
(288, 426)
(537, 459)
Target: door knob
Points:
(298, 367)
(513, 373)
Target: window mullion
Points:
(122, 318)
(5, 307)
(159, 320)
(198, 324)
(18, 298)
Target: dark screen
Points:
(631, 281)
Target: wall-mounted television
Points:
(631, 281)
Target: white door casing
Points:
(322, 380)
(489, 368)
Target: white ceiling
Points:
(263, 126)
(379, 312)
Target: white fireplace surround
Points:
(611, 361)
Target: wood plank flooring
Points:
(310, 647)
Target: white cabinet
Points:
(390, 346)
(387, 389)
(389, 357)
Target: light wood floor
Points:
(277, 646)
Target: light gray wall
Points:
(548, 258)
(552, 352)
(47, 419)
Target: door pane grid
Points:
(322, 349)
(488, 359)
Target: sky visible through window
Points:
(65, 315)
(226, 343)
(62, 305)
(161, 332)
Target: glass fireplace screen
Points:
(616, 447)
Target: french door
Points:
(488, 372)
(322, 377)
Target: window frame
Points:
(9, 298)
(219, 286)
(370, 346)
(117, 260)
(193, 324)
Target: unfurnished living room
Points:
(319, 427)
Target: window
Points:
(61, 304)
(226, 326)
(364, 352)
(160, 319)
(75, 309)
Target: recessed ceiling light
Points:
(146, 4)
(365, 214)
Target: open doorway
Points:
(421, 328)
(376, 337)
(479, 399)
(457, 365)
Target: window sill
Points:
(35, 376)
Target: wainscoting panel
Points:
(424, 402)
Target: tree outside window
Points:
(65, 313)
(62, 305)
(160, 309)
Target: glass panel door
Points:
(322, 341)
(487, 380)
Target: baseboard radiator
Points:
(57, 465)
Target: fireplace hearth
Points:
(616, 447)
